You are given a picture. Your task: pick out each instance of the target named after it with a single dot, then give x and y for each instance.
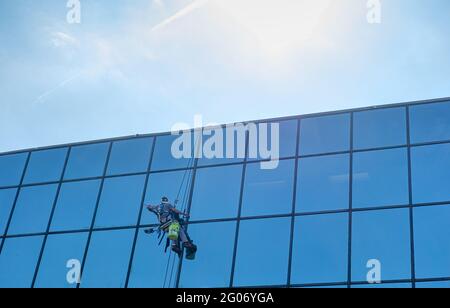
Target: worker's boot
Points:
(191, 250)
(188, 245)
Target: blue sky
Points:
(140, 66)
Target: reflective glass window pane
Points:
(325, 134)
(432, 241)
(87, 161)
(263, 252)
(323, 183)
(7, 197)
(430, 122)
(45, 166)
(380, 178)
(433, 285)
(120, 201)
(383, 286)
(59, 250)
(149, 263)
(286, 139)
(33, 208)
(269, 191)
(379, 128)
(76, 205)
(165, 184)
(18, 261)
(212, 265)
(215, 147)
(217, 193)
(108, 258)
(320, 249)
(163, 158)
(11, 169)
(130, 156)
(383, 236)
(430, 173)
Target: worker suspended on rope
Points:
(171, 222)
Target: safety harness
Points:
(163, 228)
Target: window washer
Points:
(170, 217)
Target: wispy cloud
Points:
(247, 33)
(43, 97)
(196, 4)
(61, 39)
(255, 34)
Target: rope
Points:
(171, 271)
(187, 189)
(189, 179)
(174, 259)
(167, 270)
(182, 182)
(186, 192)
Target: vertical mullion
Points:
(350, 213)
(83, 263)
(25, 168)
(410, 196)
(144, 193)
(294, 204)
(241, 199)
(55, 201)
(189, 205)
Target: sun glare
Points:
(279, 26)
